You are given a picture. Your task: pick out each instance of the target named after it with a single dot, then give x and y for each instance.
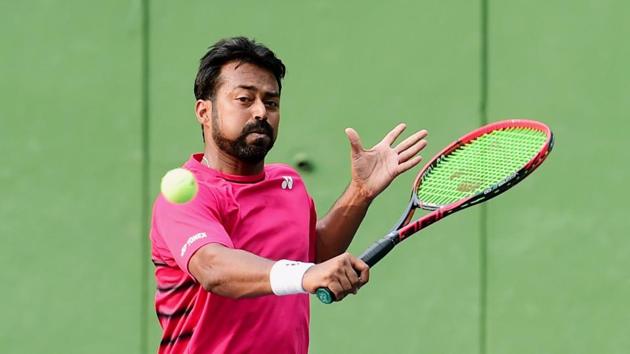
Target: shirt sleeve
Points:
(185, 228)
(312, 250)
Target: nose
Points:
(259, 110)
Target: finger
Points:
(405, 166)
(346, 284)
(336, 289)
(394, 134)
(358, 264)
(361, 268)
(412, 151)
(364, 277)
(354, 279)
(355, 141)
(405, 144)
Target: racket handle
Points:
(379, 249)
(371, 256)
(325, 296)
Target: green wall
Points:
(70, 213)
(97, 105)
(559, 271)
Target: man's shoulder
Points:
(280, 169)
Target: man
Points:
(234, 266)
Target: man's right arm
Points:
(237, 274)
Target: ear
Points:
(203, 111)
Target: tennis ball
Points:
(179, 186)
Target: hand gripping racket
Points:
(479, 166)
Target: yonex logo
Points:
(287, 183)
(192, 239)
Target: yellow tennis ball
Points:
(179, 186)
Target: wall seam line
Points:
(483, 220)
(145, 151)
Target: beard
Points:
(252, 152)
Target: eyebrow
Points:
(254, 88)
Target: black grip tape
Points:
(379, 249)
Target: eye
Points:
(272, 104)
(243, 98)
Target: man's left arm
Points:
(372, 171)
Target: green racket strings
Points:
(480, 164)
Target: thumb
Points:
(355, 141)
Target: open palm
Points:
(374, 169)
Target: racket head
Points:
(482, 164)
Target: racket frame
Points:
(440, 211)
(403, 228)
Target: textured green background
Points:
(88, 125)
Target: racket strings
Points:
(480, 164)
(496, 163)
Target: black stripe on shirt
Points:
(158, 263)
(175, 314)
(177, 287)
(170, 341)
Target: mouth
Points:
(258, 138)
(259, 134)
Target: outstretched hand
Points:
(374, 169)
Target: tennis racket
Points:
(479, 166)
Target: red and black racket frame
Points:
(403, 229)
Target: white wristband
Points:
(286, 277)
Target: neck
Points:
(217, 159)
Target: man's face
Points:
(245, 111)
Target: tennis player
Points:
(234, 266)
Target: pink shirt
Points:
(270, 215)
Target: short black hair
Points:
(234, 49)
